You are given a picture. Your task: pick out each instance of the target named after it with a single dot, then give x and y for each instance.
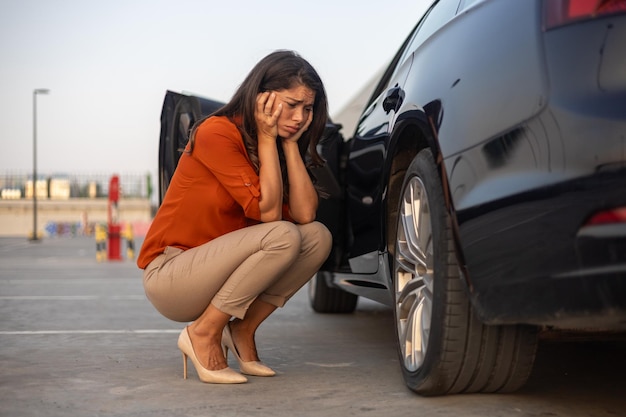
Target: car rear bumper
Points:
(586, 298)
(532, 258)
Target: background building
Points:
(72, 204)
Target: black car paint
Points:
(522, 178)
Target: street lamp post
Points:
(34, 237)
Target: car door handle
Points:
(393, 99)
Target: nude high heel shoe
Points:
(222, 376)
(255, 368)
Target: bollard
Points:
(114, 243)
(130, 244)
(101, 236)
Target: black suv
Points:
(483, 193)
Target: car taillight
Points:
(562, 12)
(617, 215)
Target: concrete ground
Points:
(79, 338)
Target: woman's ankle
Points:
(208, 349)
(243, 339)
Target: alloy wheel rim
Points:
(413, 263)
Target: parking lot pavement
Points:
(79, 338)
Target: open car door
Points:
(178, 115)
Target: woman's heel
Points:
(221, 376)
(255, 368)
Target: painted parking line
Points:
(63, 332)
(73, 297)
(67, 281)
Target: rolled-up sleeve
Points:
(219, 147)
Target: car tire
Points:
(442, 346)
(326, 299)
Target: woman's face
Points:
(297, 106)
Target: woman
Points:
(235, 236)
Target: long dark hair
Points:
(280, 70)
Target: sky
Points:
(108, 65)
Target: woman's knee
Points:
(324, 234)
(283, 236)
(317, 234)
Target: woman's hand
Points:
(266, 119)
(303, 129)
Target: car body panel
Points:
(531, 130)
(554, 274)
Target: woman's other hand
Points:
(270, 177)
(303, 129)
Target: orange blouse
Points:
(213, 191)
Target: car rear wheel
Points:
(326, 299)
(443, 347)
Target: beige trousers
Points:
(271, 261)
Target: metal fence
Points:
(19, 185)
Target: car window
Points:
(408, 45)
(436, 16)
(396, 61)
(439, 15)
(467, 3)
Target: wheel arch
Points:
(413, 132)
(411, 135)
